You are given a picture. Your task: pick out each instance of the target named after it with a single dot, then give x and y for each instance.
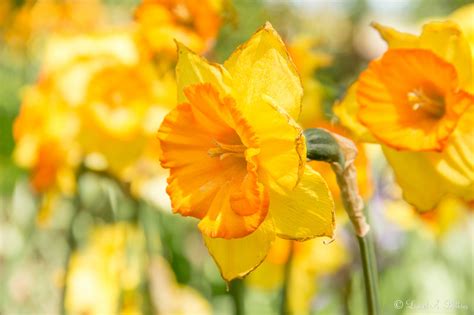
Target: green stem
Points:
(340, 153)
(284, 307)
(148, 306)
(347, 182)
(353, 204)
(237, 291)
(65, 277)
(370, 273)
(71, 241)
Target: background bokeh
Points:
(113, 246)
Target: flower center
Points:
(433, 105)
(223, 150)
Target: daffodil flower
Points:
(237, 157)
(417, 101)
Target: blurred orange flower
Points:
(35, 18)
(110, 115)
(44, 132)
(193, 23)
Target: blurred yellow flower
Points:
(106, 277)
(171, 297)
(448, 214)
(308, 60)
(108, 268)
(413, 99)
(100, 95)
(310, 260)
(237, 157)
(44, 132)
(35, 18)
(196, 24)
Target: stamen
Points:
(223, 150)
(431, 105)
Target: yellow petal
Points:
(426, 177)
(464, 17)
(304, 212)
(346, 110)
(262, 70)
(193, 69)
(455, 164)
(282, 145)
(447, 41)
(448, 214)
(238, 257)
(394, 38)
(421, 184)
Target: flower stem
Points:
(71, 241)
(340, 153)
(347, 181)
(237, 291)
(370, 273)
(284, 307)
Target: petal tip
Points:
(268, 26)
(375, 25)
(181, 48)
(380, 28)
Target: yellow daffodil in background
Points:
(118, 96)
(106, 277)
(310, 261)
(107, 272)
(45, 139)
(237, 157)
(107, 122)
(307, 59)
(196, 24)
(449, 214)
(417, 101)
(170, 297)
(26, 21)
